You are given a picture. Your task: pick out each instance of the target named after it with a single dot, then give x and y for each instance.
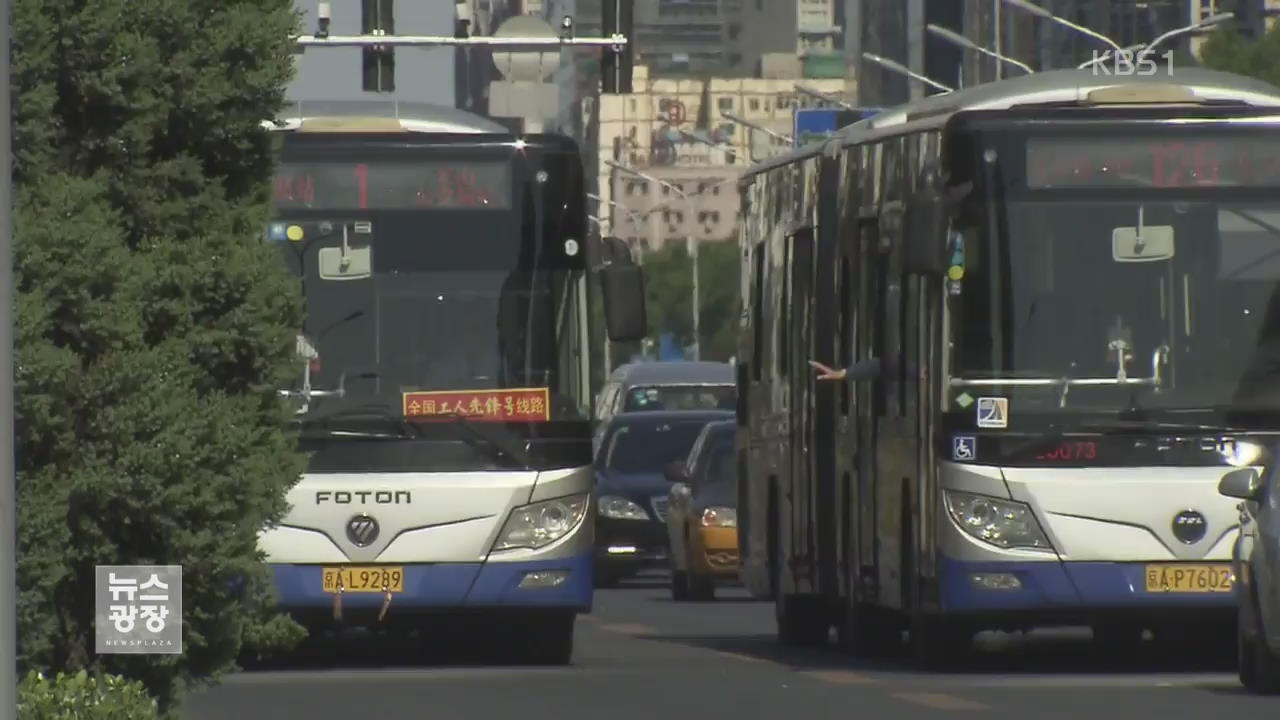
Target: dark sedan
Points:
(632, 488)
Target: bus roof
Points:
(1072, 86)
(381, 116)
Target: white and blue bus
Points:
(444, 388)
(1059, 294)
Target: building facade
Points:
(674, 130)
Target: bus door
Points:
(895, 434)
(868, 401)
(827, 505)
(798, 314)
(845, 438)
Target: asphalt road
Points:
(640, 655)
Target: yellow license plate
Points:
(1189, 578)
(372, 579)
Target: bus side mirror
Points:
(622, 283)
(925, 233)
(624, 314)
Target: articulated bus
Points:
(1063, 292)
(443, 393)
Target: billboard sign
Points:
(816, 124)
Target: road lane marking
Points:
(628, 629)
(941, 701)
(739, 656)
(840, 677)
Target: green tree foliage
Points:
(669, 291)
(152, 326)
(84, 697)
(1229, 51)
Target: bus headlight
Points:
(542, 523)
(1240, 453)
(724, 517)
(1003, 523)
(620, 508)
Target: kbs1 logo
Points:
(1128, 63)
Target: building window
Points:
(754, 104)
(379, 63)
(725, 104)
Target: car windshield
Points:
(719, 482)
(680, 397)
(648, 447)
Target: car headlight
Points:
(542, 523)
(724, 517)
(620, 508)
(1003, 523)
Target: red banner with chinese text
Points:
(501, 405)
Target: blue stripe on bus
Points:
(450, 585)
(1065, 585)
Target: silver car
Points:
(1256, 563)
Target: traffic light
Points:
(615, 65)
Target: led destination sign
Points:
(1235, 160)
(393, 185)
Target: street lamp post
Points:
(1208, 22)
(725, 147)
(961, 41)
(780, 137)
(1144, 48)
(613, 225)
(827, 97)
(892, 66)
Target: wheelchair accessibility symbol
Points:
(964, 447)
(993, 412)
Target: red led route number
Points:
(1132, 162)
(1071, 451)
(441, 187)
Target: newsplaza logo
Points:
(138, 609)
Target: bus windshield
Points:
(435, 290)
(1185, 287)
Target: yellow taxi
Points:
(702, 517)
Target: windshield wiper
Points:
(380, 414)
(1135, 424)
(500, 447)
